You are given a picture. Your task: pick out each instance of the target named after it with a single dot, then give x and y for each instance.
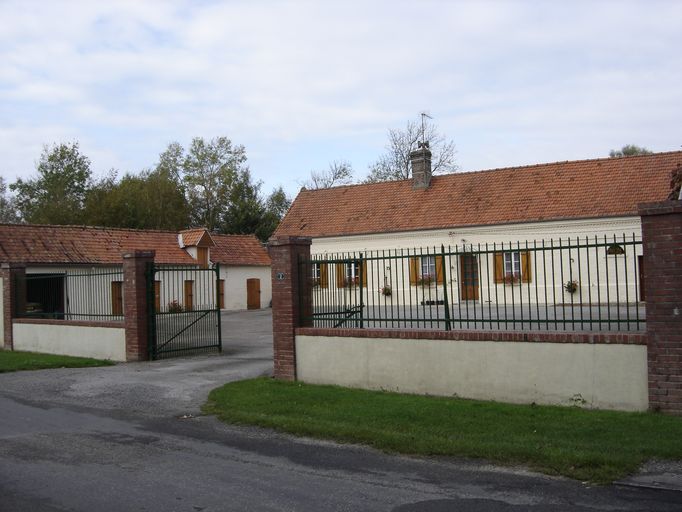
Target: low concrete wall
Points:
(605, 376)
(70, 339)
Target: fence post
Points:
(362, 297)
(446, 302)
(290, 300)
(662, 241)
(136, 304)
(13, 298)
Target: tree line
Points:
(207, 184)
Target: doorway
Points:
(253, 293)
(468, 265)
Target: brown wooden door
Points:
(189, 295)
(640, 268)
(221, 293)
(253, 294)
(116, 297)
(468, 277)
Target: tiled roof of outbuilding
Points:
(606, 187)
(44, 244)
(239, 250)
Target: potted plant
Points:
(350, 282)
(425, 280)
(174, 307)
(512, 278)
(571, 286)
(386, 290)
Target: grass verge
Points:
(595, 446)
(11, 361)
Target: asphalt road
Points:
(129, 438)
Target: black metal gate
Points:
(184, 311)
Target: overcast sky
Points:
(300, 84)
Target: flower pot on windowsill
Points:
(386, 291)
(571, 286)
(511, 279)
(426, 281)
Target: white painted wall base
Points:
(604, 376)
(71, 340)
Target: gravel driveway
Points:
(158, 388)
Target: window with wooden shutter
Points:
(324, 275)
(525, 267)
(117, 297)
(221, 293)
(439, 269)
(157, 295)
(189, 295)
(512, 266)
(202, 256)
(415, 269)
(499, 267)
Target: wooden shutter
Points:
(202, 256)
(157, 295)
(116, 297)
(221, 293)
(364, 273)
(189, 295)
(439, 269)
(414, 271)
(324, 276)
(341, 275)
(525, 267)
(499, 267)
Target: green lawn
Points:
(18, 361)
(596, 446)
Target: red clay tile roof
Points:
(36, 244)
(196, 236)
(605, 187)
(239, 250)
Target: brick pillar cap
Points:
(289, 240)
(139, 254)
(12, 265)
(660, 208)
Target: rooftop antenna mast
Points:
(423, 143)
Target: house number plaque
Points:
(280, 276)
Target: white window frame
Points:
(512, 263)
(428, 266)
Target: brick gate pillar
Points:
(662, 240)
(288, 297)
(13, 298)
(135, 303)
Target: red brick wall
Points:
(662, 240)
(10, 273)
(288, 299)
(135, 303)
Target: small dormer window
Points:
(202, 256)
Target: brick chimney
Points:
(420, 159)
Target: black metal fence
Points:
(185, 317)
(69, 295)
(577, 284)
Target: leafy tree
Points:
(395, 163)
(154, 199)
(276, 207)
(210, 170)
(339, 173)
(629, 150)
(244, 207)
(8, 211)
(57, 195)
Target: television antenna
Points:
(424, 115)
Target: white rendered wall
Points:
(604, 376)
(70, 340)
(543, 287)
(235, 285)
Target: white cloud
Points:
(540, 80)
